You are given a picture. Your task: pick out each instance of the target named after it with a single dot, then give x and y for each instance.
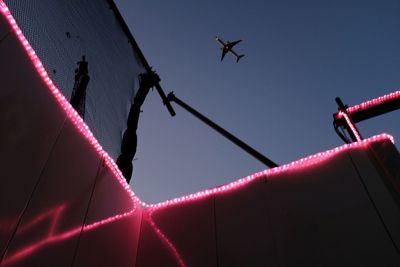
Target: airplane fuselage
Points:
(227, 47)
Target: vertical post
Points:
(350, 126)
(82, 78)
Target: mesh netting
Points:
(61, 32)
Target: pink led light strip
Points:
(71, 114)
(374, 102)
(351, 125)
(269, 172)
(365, 105)
(165, 240)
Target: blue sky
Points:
(279, 99)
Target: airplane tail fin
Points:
(239, 57)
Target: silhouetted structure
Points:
(82, 78)
(129, 140)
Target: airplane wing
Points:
(219, 40)
(232, 44)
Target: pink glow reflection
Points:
(53, 217)
(161, 236)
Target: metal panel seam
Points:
(379, 166)
(373, 203)
(87, 211)
(139, 238)
(31, 195)
(215, 231)
(2, 38)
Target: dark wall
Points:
(336, 209)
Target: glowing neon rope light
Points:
(374, 102)
(351, 125)
(301, 163)
(364, 106)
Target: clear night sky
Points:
(279, 98)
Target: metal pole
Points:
(343, 108)
(139, 53)
(225, 133)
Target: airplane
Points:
(227, 47)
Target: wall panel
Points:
(112, 226)
(50, 227)
(31, 121)
(244, 236)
